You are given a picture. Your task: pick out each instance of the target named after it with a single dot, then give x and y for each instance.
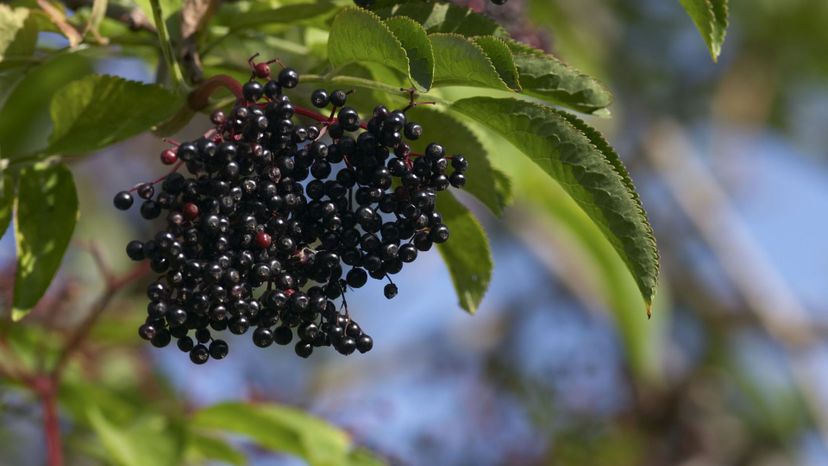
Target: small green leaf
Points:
(545, 77)
(444, 17)
(358, 36)
(711, 20)
(6, 202)
(18, 33)
(459, 61)
(586, 167)
(201, 448)
(279, 428)
(501, 57)
(147, 441)
(417, 47)
(488, 185)
(47, 210)
(467, 254)
(96, 111)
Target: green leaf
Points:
(6, 202)
(545, 77)
(488, 185)
(600, 272)
(201, 448)
(358, 36)
(149, 441)
(25, 112)
(47, 210)
(466, 254)
(417, 47)
(279, 428)
(501, 57)
(444, 17)
(18, 33)
(459, 61)
(96, 111)
(711, 20)
(586, 167)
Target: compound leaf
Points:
(98, 110)
(545, 77)
(586, 167)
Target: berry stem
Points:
(306, 112)
(199, 98)
(166, 45)
(158, 180)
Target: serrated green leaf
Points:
(144, 442)
(586, 167)
(358, 36)
(466, 253)
(443, 17)
(25, 112)
(201, 448)
(279, 428)
(545, 77)
(6, 202)
(501, 57)
(47, 210)
(459, 61)
(599, 267)
(489, 186)
(417, 47)
(711, 19)
(99, 110)
(18, 34)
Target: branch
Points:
(165, 44)
(194, 16)
(114, 284)
(132, 16)
(59, 19)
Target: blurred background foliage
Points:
(560, 364)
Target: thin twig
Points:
(76, 339)
(165, 44)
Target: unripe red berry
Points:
(168, 157)
(263, 240)
(262, 70)
(190, 211)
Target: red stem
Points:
(200, 97)
(46, 388)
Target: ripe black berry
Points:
(123, 200)
(390, 291)
(199, 354)
(339, 97)
(288, 78)
(320, 98)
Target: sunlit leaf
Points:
(711, 19)
(47, 210)
(97, 111)
(417, 47)
(586, 167)
(279, 428)
(466, 254)
(459, 61)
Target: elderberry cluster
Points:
(276, 220)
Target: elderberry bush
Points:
(275, 222)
